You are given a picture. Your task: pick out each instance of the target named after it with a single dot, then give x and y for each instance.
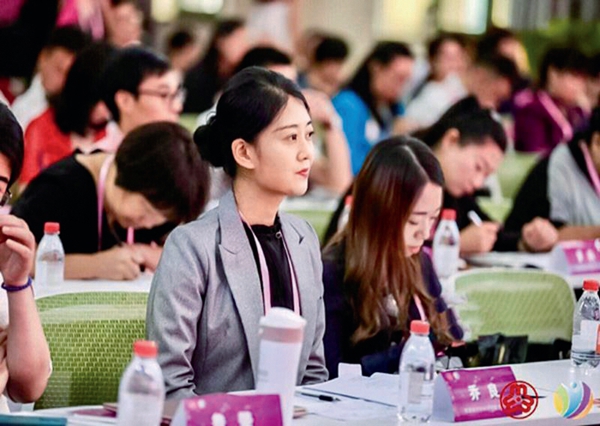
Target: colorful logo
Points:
(519, 400)
(573, 401)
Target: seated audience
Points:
(115, 210)
(139, 87)
(76, 122)
(123, 21)
(208, 293)
(324, 72)
(375, 276)
(183, 50)
(490, 79)
(565, 188)
(503, 42)
(368, 105)
(24, 355)
(551, 115)
(53, 64)
(204, 81)
(592, 84)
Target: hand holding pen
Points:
(479, 237)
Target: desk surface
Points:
(141, 284)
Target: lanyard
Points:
(264, 273)
(100, 193)
(557, 116)
(590, 167)
(419, 304)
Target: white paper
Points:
(380, 388)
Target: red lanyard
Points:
(590, 167)
(264, 273)
(100, 193)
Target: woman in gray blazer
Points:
(219, 274)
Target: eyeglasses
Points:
(5, 198)
(179, 96)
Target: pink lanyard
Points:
(419, 304)
(100, 193)
(264, 273)
(590, 167)
(557, 116)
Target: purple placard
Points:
(475, 393)
(222, 408)
(577, 257)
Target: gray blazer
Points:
(206, 301)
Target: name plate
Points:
(576, 257)
(225, 409)
(470, 394)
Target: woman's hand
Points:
(478, 239)
(17, 250)
(119, 263)
(150, 254)
(539, 235)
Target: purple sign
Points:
(470, 394)
(225, 409)
(577, 257)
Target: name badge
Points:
(576, 257)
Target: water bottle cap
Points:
(448, 214)
(348, 200)
(145, 348)
(419, 327)
(591, 285)
(51, 227)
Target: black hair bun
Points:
(206, 138)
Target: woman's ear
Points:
(243, 154)
(124, 100)
(450, 139)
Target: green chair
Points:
(516, 302)
(188, 121)
(90, 337)
(513, 171)
(319, 219)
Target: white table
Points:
(141, 284)
(545, 376)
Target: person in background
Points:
(503, 42)
(204, 81)
(551, 115)
(115, 210)
(368, 105)
(139, 87)
(375, 276)
(183, 49)
(447, 55)
(324, 72)
(221, 273)
(78, 119)
(24, 355)
(565, 188)
(592, 84)
(53, 64)
(490, 79)
(123, 20)
(469, 143)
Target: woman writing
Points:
(221, 273)
(376, 278)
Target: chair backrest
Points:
(514, 169)
(90, 337)
(516, 302)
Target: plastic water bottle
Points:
(416, 375)
(446, 245)
(345, 215)
(586, 323)
(142, 388)
(50, 259)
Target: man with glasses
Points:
(140, 87)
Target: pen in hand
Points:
(321, 397)
(474, 217)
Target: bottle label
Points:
(411, 387)
(140, 410)
(588, 337)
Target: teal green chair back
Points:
(512, 172)
(90, 337)
(516, 302)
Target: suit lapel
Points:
(242, 274)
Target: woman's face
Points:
(132, 209)
(422, 218)
(283, 153)
(567, 86)
(388, 81)
(451, 58)
(467, 167)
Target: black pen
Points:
(321, 397)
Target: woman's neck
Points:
(256, 206)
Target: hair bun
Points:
(206, 138)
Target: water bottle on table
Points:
(586, 322)
(50, 258)
(142, 388)
(446, 249)
(416, 375)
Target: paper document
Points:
(380, 388)
(511, 260)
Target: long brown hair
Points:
(385, 191)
